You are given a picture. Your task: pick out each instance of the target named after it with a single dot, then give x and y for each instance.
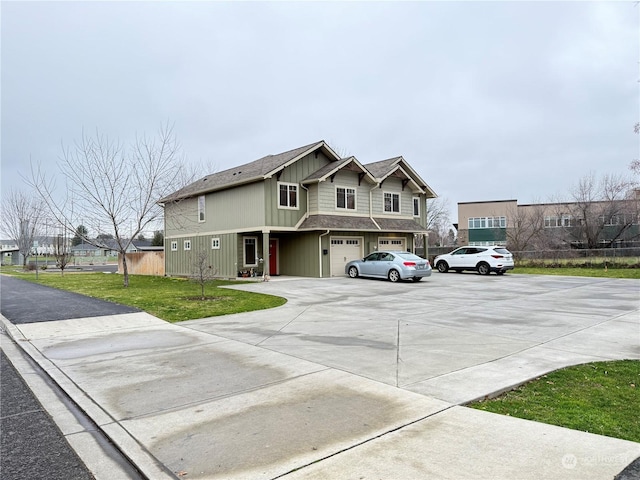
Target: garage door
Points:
(398, 244)
(344, 250)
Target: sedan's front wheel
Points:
(353, 272)
(394, 276)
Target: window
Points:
(346, 198)
(287, 195)
(561, 221)
(174, 246)
(215, 243)
(201, 208)
(416, 206)
(250, 251)
(187, 245)
(392, 202)
(487, 222)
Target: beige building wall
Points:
(493, 208)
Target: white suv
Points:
(482, 259)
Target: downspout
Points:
(371, 205)
(320, 250)
(306, 213)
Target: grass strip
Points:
(171, 299)
(600, 397)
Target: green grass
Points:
(601, 398)
(171, 299)
(581, 271)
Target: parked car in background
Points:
(484, 260)
(389, 264)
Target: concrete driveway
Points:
(352, 378)
(455, 337)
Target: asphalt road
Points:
(32, 446)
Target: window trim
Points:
(346, 197)
(201, 208)
(416, 203)
(384, 203)
(244, 251)
(186, 245)
(297, 190)
(215, 243)
(174, 245)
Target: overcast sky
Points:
(486, 100)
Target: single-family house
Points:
(304, 212)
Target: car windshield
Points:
(409, 256)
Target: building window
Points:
(187, 245)
(555, 222)
(346, 198)
(392, 202)
(416, 206)
(288, 195)
(201, 208)
(174, 246)
(250, 251)
(487, 222)
(215, 243)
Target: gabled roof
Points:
(257, 170)
(398, 166)
(349, 163)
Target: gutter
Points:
(371, 205)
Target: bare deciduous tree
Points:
(202, 271)
(525, 230)
(111, 188)
(438, 220)
(22, 215)
(61, 250)
(601, 211)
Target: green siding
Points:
(299, 254)
(181, 262)
(488, 235)
(281, 217)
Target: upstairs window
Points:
(346, 198)
(287, 195)
(187, 245)
(416, 206)
(201, 208)
(392, 202)
(174, 246)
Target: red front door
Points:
(273, 257)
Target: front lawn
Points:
(601, 397)
(581, 271)
(171, 299)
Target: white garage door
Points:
(391, 243)
(344, 250)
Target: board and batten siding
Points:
(295, 173)
(299, 254)
(182, 262)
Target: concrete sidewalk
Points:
(301, 393)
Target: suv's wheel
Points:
(394, 276)
(443, 267)
(353, 272)
(483, 268)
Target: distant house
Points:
(303, 212)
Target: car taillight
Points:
(497, 256)
(409, 264)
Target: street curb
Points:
(121, 439)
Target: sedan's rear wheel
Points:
(484, 269)
(443, 267)
(353, 272)
(394, 276)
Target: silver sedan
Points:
(392, 265)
